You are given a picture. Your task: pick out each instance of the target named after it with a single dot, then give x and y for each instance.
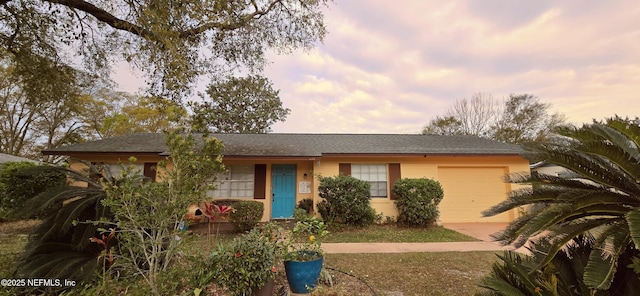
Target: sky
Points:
(392, 66)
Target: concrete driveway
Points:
(481, 231)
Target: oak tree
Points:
(173, 42)
(38, 113)
(526, 119)
(239, 105)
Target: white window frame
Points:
(377, 175)
(237, 182)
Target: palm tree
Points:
(64, 246)
(600, 197)
(517, 274)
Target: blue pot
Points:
(303, 275)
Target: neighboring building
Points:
(551, 169)
(279, 169)
(12, 158)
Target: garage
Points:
(470, 190)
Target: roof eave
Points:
(425, 154)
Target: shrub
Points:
(247, 214)
(417, 201)
(300, 214)
(148, 214)
(20, 181)
(346, 200)
(306, 204)
(247, 263)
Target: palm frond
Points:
(594, 169)
(559, 236)
(60, 248)
(623, 160)
(631, 131)
(620, 134)
(633, 221)
(61, 264)
(512, 234)
(511, 276)
(499, 286)
(600, 271)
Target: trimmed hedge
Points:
(247, 214)
(346, 200)
(418, 201)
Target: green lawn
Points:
(449, 273)
(395, 234)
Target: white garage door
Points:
(469, 191)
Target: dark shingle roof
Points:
(12, 158)
(306, 145)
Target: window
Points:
(375, 174)
(147, 169)
(117, 169)
(237, 182)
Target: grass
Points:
(448, 273)
(395, 234)
(13, 238)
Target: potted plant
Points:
(303, 254)
(247, 266)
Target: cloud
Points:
(388, 67)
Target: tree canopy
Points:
(474, 116)
(38, 104)
(238, 105)
(56, 58)
(518, 119)
(173, 42)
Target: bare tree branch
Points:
(123, 25)
(104, 16)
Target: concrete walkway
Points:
(481, 231)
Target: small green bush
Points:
(247, 263)
(247, 214)
(306, 204)
(417, 201)
(346, 200)
(20, 181)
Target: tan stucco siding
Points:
(460, 176)
(328, 166)
(471, 183)
(302, 167)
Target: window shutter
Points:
(150, 170)
(394, 175)
(344, 169)
(260, 181)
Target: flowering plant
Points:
(213, 211)
(304, 241)
(106, 243)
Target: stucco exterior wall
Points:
(429, 167)
(302, 166)
(410, 167)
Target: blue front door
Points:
(283, 189)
